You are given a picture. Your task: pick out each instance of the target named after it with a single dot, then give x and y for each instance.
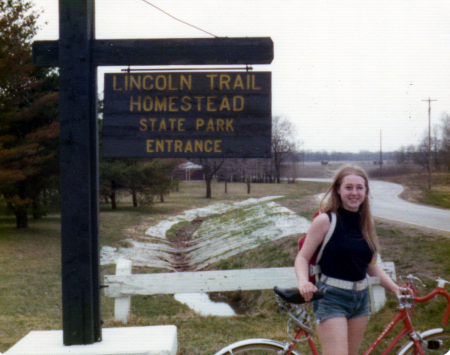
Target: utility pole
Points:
(381, 155)
(429, 141)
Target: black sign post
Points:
(79, 174)
(78, 54)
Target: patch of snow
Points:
(221, 237)
(201, 304)
(218, 238)
(141, 254)
(159, 231)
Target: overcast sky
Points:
(344, 70)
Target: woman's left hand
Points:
(403, 291)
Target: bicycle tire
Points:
(255, 347)
(438, 343)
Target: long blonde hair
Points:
(332, 202)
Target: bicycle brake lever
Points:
(411, 278)
(442, 282)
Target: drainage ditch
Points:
(203, 303)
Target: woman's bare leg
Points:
(339, 336)
(356, 328)
(333, 336)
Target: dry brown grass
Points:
(30, 285)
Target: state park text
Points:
(182, 114)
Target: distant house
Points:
(189, 171)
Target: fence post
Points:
(377, 292)
(122, 305)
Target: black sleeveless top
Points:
(347, 254)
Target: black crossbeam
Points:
(179, 51)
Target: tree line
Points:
(324, 156)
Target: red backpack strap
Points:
(317, 213)
(301, 241)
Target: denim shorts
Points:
(338, 302)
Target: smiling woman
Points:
(352, 192)
(350, 254)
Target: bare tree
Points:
(421, 155)
(292, 171)
(429, 149)
(250, 171)
(264, 170)
(239, 169)
(211, 167)
(436, 144)
(400, 155)
(284, 144)
(446, 139)
(411, 153)
(231, 169)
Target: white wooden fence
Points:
(123, 285)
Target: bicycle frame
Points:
(408, 328)
(309, 340)
(403, 315)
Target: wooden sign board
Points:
(187, 114)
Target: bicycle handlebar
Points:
(438, 291)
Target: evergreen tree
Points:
(29, 128)
(143, 179)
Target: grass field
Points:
(417, 189)
(30, 297)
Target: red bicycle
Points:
(299, 328)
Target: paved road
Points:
(387, 205)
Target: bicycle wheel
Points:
(436, 342)
(255, 347)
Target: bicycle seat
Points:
(292, 295)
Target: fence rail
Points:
(123, 285)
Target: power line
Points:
(186, 23)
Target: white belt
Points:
(346, 285)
